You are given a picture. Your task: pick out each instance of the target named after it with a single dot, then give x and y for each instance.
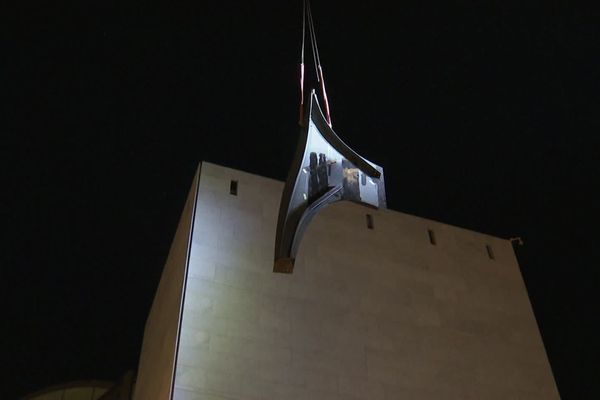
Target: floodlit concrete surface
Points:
(157, 360)
(367, 313)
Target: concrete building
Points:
(380, 305)
(312, 289)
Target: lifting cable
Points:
(301, 118)
(313, 40)
(307, 14)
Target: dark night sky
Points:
(483, 114)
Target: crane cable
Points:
(301, 117)
(313, 40)
(319, 68)
(307, 14)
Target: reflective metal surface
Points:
(324, 170)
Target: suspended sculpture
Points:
(324, 169)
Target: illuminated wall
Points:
(157, 360)
(379, 313)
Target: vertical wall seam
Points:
(184, 283)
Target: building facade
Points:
(380, 305)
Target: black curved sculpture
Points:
(324, 170)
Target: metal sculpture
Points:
(324, 170)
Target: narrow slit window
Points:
(370, 221)
(431, 234)
(233, 186)
(490, 252)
